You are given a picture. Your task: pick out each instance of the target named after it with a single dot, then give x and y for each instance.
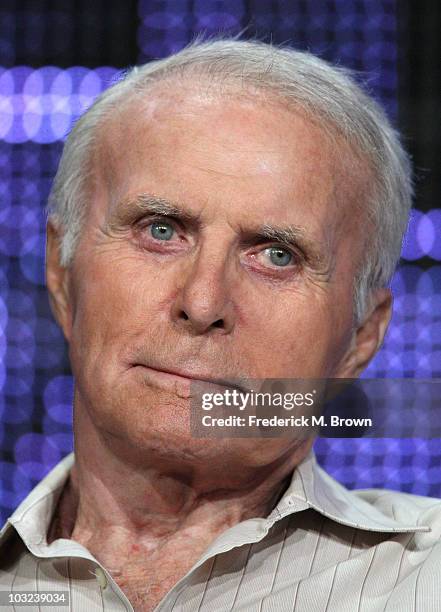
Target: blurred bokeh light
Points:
(39, 103)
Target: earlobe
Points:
(369, 335)
(57, 280)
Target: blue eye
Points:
(279, 257)
(161, 230)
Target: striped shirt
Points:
(322, 548)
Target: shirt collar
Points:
(310, 487)
(33, 516)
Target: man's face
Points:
(221, 241)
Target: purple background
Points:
(38, 104)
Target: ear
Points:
(369, 335)
(57, 281)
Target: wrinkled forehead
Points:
(232, 135)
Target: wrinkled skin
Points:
(151, 302)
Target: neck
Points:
(119, 499)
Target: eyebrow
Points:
(292, 236)
(130, 209)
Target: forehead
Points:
(252, 152)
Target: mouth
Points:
(181, 382)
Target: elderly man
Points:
(234, 210)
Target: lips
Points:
(185, 378)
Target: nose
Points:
(204, 303)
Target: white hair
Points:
(328, 93)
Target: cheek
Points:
(296, 336)
(105, 300)
(114, 289)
